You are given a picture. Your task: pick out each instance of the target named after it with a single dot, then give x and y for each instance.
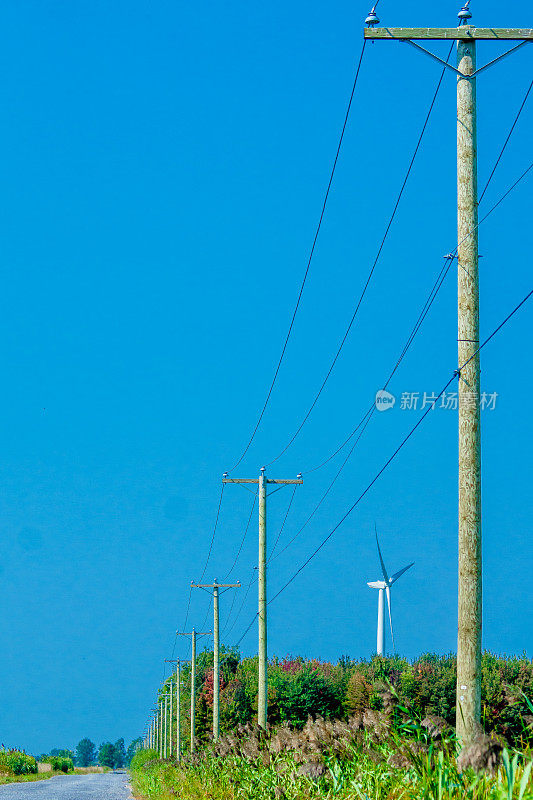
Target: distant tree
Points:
(106, 755)
(85, 753)
(120, 753)
(132, 749)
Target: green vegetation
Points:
(299, 688)
(367, 729)
(85, 753)
(16, 762)
(112, 755)
(59, 763)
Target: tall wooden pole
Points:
(470, 578)
(165, 735)
(216, 664)
(469, 591)
(216, 586)
(171, 718)
(160, 728)
(262, 482)
(178, 712)
(193, 636)
(262, 697)
(193, 690)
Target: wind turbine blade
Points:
(390, 619)
(380, 556)
(400, 573)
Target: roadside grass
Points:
(42, 776)
(370, 757)
(358, 778)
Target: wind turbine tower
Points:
(384, 587)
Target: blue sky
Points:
(164, 166)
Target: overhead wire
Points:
(437, 284)
(429, 301)
(372, 269)
(449, 259)
(283, 524)
(311, 254)
(214, 532)
(506, 141)
(456, 375)
(241, 606)
(243, 537)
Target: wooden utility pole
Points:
(165, 738)
(178, 711)
(154, 728)
(170, 734)
(262, 481)
(178, 663)
(468, 704)
(216, 647)
(161, 728)
(194, 634)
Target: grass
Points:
(356, 779)
(42, 776)
(368, 758)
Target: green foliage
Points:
(305, 694)
(142, 757)
(60, 763)
(300, 687)
(112, 755)
(16, 762)
(55, 751)
(133, 748)
(120, 754)
(106, 755)
(85, 753)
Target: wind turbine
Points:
(384, 586)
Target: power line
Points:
(188, 608)
(429, 302)
(456, 374)
(230, 611)
(436, 286)
(371, 273)
(247, 629)
(282, 526)
(328, 490)
(449, 259)
(446, 266)
(370, 412)
(300, 293)
(506, 141)
(243, 538)
(241, 607)
(213, 536)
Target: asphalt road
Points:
(111, 786)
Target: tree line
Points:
(87, 754)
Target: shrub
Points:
(16, 762)
(60, 763)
